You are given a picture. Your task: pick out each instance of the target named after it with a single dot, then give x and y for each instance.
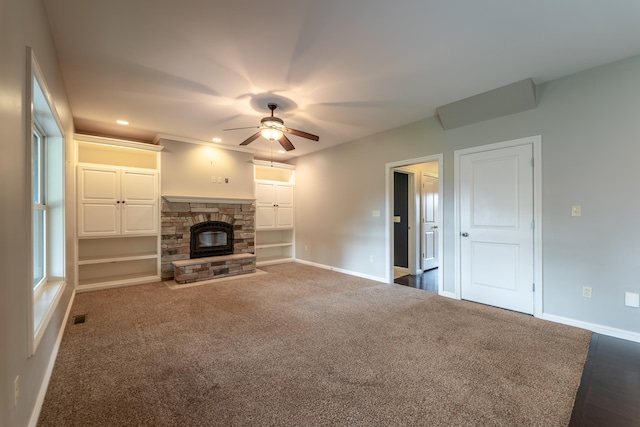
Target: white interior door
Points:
(496, 227)
(429, 222)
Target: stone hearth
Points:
(180, 213)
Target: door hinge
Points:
(533, 224)
(532, 162)
(533, 287)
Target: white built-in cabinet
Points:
(274, 205)
(274, 185)
(118, 188)
(116, 201)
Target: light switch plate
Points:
(632, 299)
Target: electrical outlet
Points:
(306, 248)
(213, 179)
(576, 210)
(219, 180)
(586, 291)
(16, 391)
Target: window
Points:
(39, 210)
(47, 154)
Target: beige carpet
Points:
(301, 346)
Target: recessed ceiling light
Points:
(216, 139)
(122, 122)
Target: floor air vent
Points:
(81, 318)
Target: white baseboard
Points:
(35, 414)
(600, 329)
(340, 270)
(451, 295)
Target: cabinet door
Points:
(98, 207)
(284, 195)
(139, 202)
(284, 206)
(265, 205)
(265, 194)
(265, 216)
(284, 218)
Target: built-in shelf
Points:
(116, 281)
(119, 258)
(274, 245)
(275, 233)
(129, 253)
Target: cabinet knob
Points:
(118, 202)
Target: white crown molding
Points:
(160, 137)
(117, 142)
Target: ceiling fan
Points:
(273, 128)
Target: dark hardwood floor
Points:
(427, 281)
(609, 392)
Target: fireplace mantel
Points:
(204, 199)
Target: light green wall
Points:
(590, 127)
(24, 23)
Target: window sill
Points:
(45, 301)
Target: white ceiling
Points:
(342, 69)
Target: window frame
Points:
(42, 119)
(39, 203)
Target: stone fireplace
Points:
(205, 238)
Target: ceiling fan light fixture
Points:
(271, 133)
(273, 129)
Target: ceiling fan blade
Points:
(251, 139)
(286, 144)
(302, 134)
(248, 127)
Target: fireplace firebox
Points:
(211, 238)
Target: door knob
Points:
(464, 234)
(434, 226)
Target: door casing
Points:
(390, 168)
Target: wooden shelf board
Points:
(120, 280)
(274, 245)
(116, 258)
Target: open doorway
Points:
(401, 221)
(414, 196)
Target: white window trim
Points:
(42, 206)
(44, 298)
